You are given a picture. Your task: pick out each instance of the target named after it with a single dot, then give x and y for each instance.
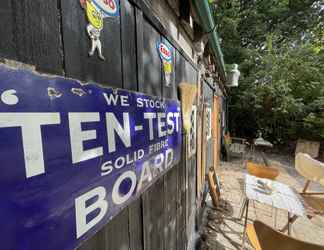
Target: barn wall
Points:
(51, 36)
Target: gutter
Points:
(205, 16)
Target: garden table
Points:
(275, 194)
(261, 144)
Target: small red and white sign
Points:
(164, 51)
(108, 7)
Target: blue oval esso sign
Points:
(108, 7)
(164, 51)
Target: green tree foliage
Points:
(279, 45)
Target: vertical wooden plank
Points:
(151, 61)
(190, 73)
(179, 206)
(208, 99)
(184, 70)
(179, 68)
(153, 216)
(96, 242)
(188, 191)
(116, 232)
(216, 133)
(187, 171)
(181, 209)
(139, 47)
(31, 33)
(208, 153)
(193, 180)
(220, 128)
(199, 141)
(77, 44)
(170, 207)
(187, 206)
(204, 147)
(128, 35)
(191, 193)
(191, 203)
(135, 225)
(191, 76)
(7, 29)
(113, 236)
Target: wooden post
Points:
(199, 141)
(216, 133)
(204, 146)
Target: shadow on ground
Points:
(223, 229)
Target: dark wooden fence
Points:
(51, 35)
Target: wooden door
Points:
(216, 132)
(203, 143)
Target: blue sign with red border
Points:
(73, 155)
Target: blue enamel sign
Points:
(73, 155)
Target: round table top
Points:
(261, 142)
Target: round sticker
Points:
(108, 7)
(164, 52)
(94, 16)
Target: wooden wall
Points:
(208, 101)
(51, 35)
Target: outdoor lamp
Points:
(233, 77)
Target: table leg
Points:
(288, 224)
(264, 158)
(291, 220)
(275, 217)
(242, 208)
(245, 221)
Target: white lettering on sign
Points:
(117, 197)
(150, 116)
(161, 125)
(78, 136)
(108, 166)
(170, 123)
(149, 103)
(82, 210)
(146, 175)
(9, 97)
(114, 100)
(161, 162)
(153, 148)
(123, 132)
(30, 124)
(176, 115)
(158, 162)
(169, 157)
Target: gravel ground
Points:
(223, 230)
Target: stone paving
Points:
(223, 230)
